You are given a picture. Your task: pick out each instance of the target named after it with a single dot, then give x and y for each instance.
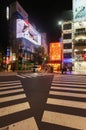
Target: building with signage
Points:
(23, 38)
(74, 37)
(79, 31)
(55, 55)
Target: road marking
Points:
(14, 81)
(64, 88)
(11, 91)
(20, 76)
(8, 87)
(68, 94)
(29, 76)
(27, 124)
(11, 98)
(68, 82)
(14, 108)
(68, 103)
(9, 84)
(32, 75)
(69, 85)
(67, 120)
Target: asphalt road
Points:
(43, 102)
(36, 91)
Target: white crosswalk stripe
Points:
(11, 87)
(65, 85)
(67, 92)
(63, 102)
(14, 97)
(66, 88)
(33, 75)
(14, 108)
(67, 120)
(27, 124)
(12, 92)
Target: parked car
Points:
(36, 68)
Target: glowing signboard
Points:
(55, 51)
(25, 30)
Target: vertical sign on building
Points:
(55, 51)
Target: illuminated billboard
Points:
(25, 30)
(23, 27)
(55, 51)
(79, 10)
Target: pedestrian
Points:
(64, 69)
(13, 66)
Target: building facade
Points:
(67, 41)
(74, 38)
(79, 31)
(24, 39)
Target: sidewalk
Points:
(79, 73)
(8, 73)
(73, 73)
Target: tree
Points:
(40, 55)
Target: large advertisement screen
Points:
(55, 51)
(25, 30)
(79, 10)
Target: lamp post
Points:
(60, 23)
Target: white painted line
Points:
(68, 103)
(14, 108)
(12, 91)
(28, 76)
(69, 85)
(64, 88)
(67, 120)
(20, 76)
(80, 83)
(27, 124)
(11, 98)
(14, 81)
(69, 80)
(68, 94)
(8, 87)
(9, 84)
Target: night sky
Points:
(44, 14)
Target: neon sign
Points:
(55, 51)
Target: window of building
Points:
(80, 42)
(67, 46)
(67, 36)
(67, 55)
(67, 26)
(80, 30)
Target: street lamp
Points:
(60, 23)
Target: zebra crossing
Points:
(32, 75)
(13, 100)
(66, 103)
